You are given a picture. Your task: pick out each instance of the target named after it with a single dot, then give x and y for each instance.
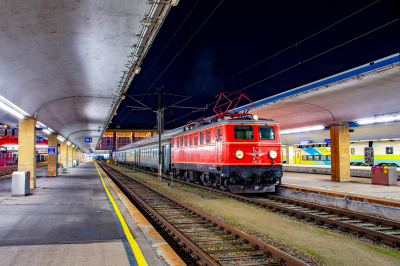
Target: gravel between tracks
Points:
(317, 246)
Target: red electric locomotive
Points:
(232, 151)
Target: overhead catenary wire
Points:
(300, 63)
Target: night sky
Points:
(207, 47)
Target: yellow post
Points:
(27, 148)
(52, 155)
(74, 154)
(69, 158)
(289, 153)
(340, 158)
(64, 153)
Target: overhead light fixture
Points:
(69, 143)
(379, 119)
(12, 108)
(61, 138)
(46, 131)
(137, 70)
(49, 129)
(302, 129)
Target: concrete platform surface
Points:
(357, 185)
(68, 220)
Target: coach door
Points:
(218, 147)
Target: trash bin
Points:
(20, 183)
(384, 175)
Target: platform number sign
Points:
(88, 139)
(39, 139)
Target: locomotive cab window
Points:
(244, 132)
(267, 133)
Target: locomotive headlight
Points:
(255, 117)
(239, 154)
(273, 154)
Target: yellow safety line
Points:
(348, 192)
(135, 247)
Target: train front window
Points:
(267, 133)
(244, 132)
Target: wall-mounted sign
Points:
(327, 141)
(304, 142)
(51, 151)
(88, 139)
(41, 151)
(39, 139)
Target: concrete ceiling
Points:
(61, 61)
(373, 94)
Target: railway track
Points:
(376, 228)
(208, 240)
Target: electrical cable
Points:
(255, 83)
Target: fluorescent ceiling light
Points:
(302, 129)
(46, 131)
(40, 124)
(49, 129)
(61, 138)
(41, 146)
(69, 143)
(379, 119)
(10, 110)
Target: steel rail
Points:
(395, 240)
(269, 250)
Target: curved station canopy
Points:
(67, 63)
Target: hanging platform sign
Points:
(39, 139)
(88, 139)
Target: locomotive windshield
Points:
(243, 132)
(266, 132)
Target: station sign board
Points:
(88, 139)
(327, 141)
(304, 142)
(51, 151)
(39, 139)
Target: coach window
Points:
(195, 135)
(190, 140)
(266, 133)
(181, 141)
(201, 137)
(218, 134)
(243, 132)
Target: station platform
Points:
(358, 194)
(356, 171)
(77, 218)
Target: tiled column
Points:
(52, 157)
(69, 156)
(64, 153)
(27, 147)
(340, 158)
(73, 153)
(289, 158)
